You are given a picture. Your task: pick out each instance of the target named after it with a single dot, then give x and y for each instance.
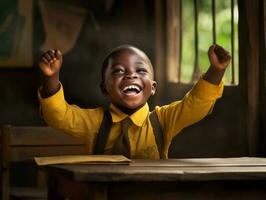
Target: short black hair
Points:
(118, 50)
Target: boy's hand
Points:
(219, 60)
(50, 62)
(219, 57)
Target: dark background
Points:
(237, 125)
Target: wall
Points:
(126, 22)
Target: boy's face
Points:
(129, 80)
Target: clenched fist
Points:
(219, 57)
(51, 62)
(219, 60)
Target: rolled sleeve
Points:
(206, 90)
(55, 100)
(195, 105)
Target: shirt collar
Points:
(137, 117)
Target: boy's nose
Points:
(130, 75)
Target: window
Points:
(192, 26)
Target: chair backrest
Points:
(19, 144)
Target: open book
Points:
(82, 159)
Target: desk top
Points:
(245, 168)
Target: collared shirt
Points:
(85, 123)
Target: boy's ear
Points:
(103, 89)
(153, 90)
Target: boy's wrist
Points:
(214, 75)
(218, 68)
(50, 85)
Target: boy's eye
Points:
(142, 70)
(118, 71)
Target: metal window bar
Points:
(214, 21)
(232, 42)
(196, 71)
(180, 39)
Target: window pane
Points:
(223, 36)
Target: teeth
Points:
(131, 87)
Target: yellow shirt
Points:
(85, 123)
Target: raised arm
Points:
(219, 60)
(50, 64)
(198, 102)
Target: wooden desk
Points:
(220, 178)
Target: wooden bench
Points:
(21, 144)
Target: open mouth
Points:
(131, 90)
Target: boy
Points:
(127, 79)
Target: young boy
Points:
(128, 80)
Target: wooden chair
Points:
(21, 144)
